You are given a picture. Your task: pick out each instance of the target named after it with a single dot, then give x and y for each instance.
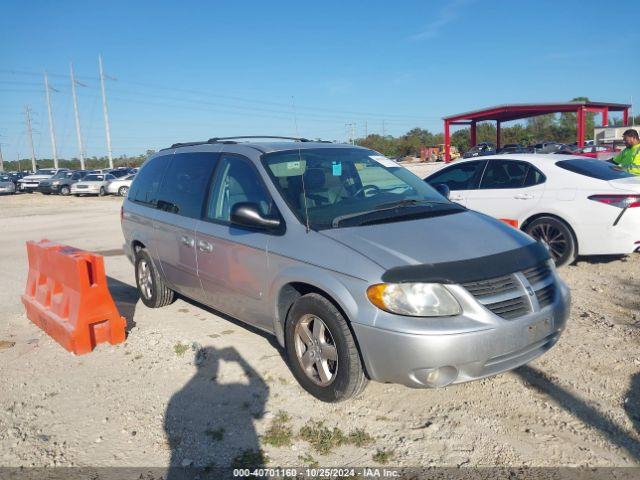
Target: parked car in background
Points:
(92, 184)
(547, 147)
(7, 185)
(567, 149)
(120, 186)
(600, 152)
(353, 263)
(483, 148)
(30, 183)
(512, 148)
(574, 205)
(61, 182)
(120, 172)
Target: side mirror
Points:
(247, 214)
(442, 189)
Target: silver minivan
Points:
(358, 267)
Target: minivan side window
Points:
(184, 183)
(504, 174)
(237, 181)
(464, 176)
(145, 187)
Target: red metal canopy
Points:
(506, 113)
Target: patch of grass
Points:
(382, 418)
(321, 437)
(359, 438)
(250, 459)
(308, 461)
(283, 381)
(383, 456)
(217, 434)
(137, 357)
(180, 349)
(279, 433)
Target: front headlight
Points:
(55, 182)
(414, 299)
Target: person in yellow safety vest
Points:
(629, 158)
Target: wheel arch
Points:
(291, 291)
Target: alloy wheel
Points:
(552, 237)
(145, 279)
(316, 350)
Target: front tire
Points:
(321, 350)
(102, 192)
(558, 238)
(65, 191)
(151, 287)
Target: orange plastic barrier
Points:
(513, 223)
(68, 298)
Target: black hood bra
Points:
(471, 270)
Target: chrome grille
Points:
(536, 274)
(513, 308)
(546, 295)
(507, 297)
(493, 286)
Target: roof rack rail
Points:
(218, 139)
(230, 140)
(185, 144)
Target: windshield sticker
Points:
(293, 165)
(384, 161)
(336, 168)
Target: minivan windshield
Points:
(61, 174)
(338, 187)
(44, 172)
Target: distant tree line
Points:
(90, 163)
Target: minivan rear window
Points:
(594, 168)
(184, 184)
(144, 188)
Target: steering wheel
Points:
(364, 188)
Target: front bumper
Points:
(48, 188)
(31, 187)
(436, 358)
(85, 191)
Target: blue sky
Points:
(192, 70)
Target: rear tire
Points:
(312, 347)
(153, 291)
(558, 238)
(65, 191)
(101, 192)
(123, 191)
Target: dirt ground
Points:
(189, 387)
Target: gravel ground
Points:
(190, 387)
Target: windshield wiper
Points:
(386, 207)
(408, 202)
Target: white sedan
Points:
(92, 184)
(120, 186)
(576, 205)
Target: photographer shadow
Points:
(209, 424)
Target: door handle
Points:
(523, 196)
(205, 246)
(188, 241)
